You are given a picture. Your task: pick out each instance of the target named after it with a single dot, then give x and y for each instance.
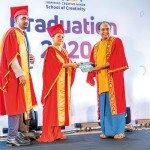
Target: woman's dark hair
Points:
(53, 35)
(103, 22)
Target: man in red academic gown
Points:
(110, 63)
(16, 89)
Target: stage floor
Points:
(135, 140)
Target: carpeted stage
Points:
(135, 140)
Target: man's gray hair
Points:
(104, 22)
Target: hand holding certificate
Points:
(86, 66)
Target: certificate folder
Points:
(86, 66)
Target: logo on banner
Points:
(69, 5)
(74, 0)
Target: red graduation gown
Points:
(12, 98)
(57, 83)
(118, 64)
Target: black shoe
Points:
(23, 137)
(16, 142)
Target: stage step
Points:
(142, 121)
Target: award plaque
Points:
(86, 66)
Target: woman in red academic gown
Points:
(58, 76)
